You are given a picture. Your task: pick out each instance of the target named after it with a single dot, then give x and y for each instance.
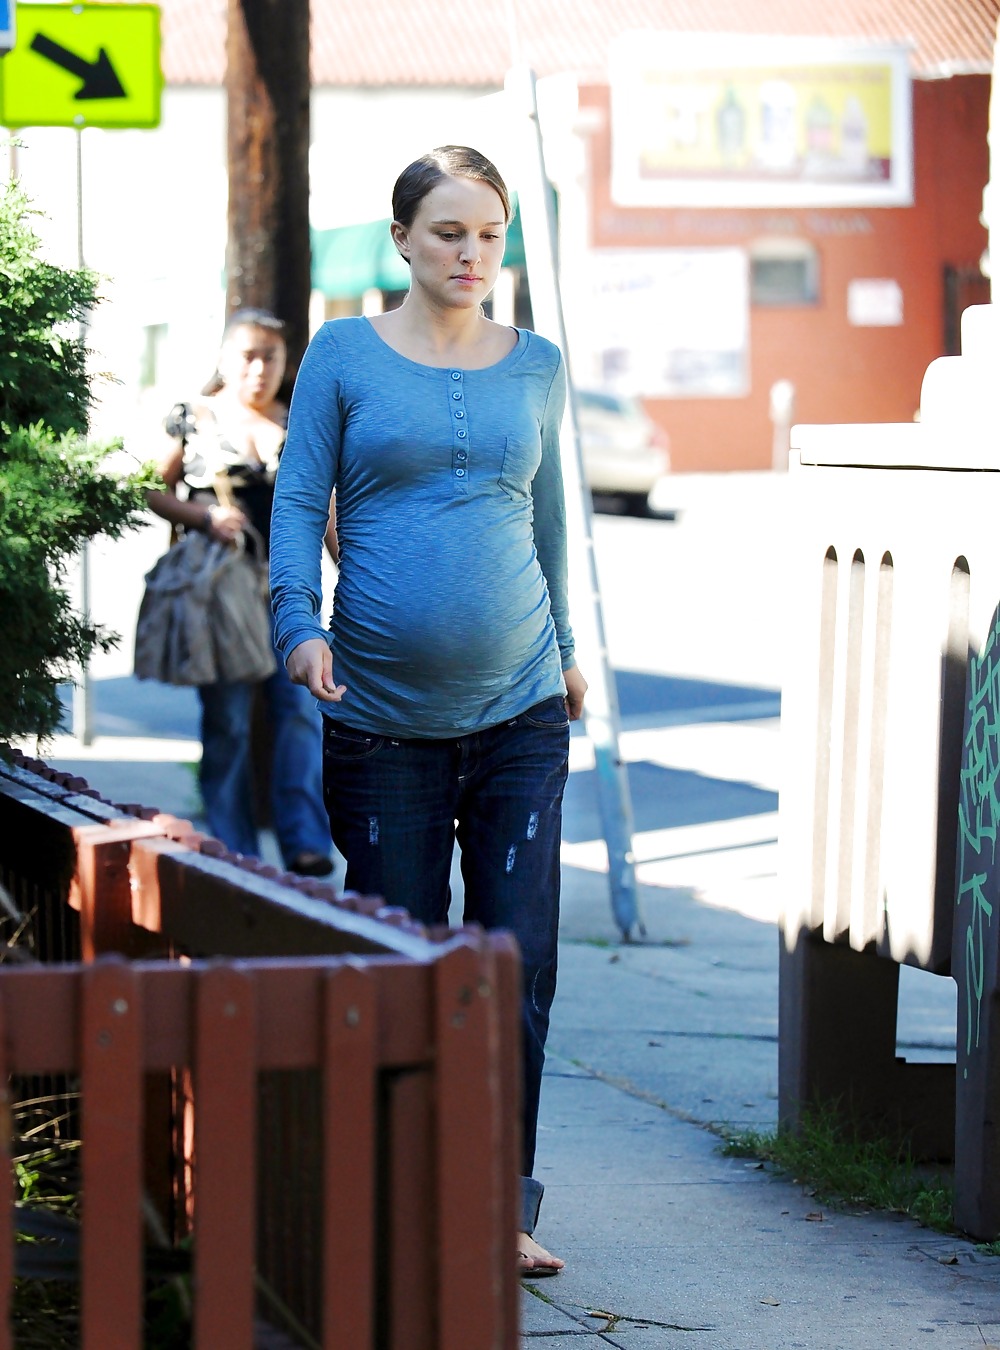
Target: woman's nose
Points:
(470, 250)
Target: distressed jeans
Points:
(396, 807)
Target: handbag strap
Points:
(224, 490)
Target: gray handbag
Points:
(205, 615)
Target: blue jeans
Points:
(226, 773)
(396, 808)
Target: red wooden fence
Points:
(330, 1112)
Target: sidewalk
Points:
(668, 1243)
(653, 1045)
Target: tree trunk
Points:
(267, 86)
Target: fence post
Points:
(225, 1114)
(102, 886)
(469, 1152)
(350, 1127)
(111, 1256)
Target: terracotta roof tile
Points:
(429, 42)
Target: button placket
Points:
(460, 431)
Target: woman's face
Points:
(252, 364)
(456, 242)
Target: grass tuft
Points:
(847, 1165)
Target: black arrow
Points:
(99, 78)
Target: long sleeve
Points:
(302, 493)
(550, 515)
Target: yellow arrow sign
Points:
(83, 66)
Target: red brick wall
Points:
(841, 373)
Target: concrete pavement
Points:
(654, 1047)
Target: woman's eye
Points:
(448, 235)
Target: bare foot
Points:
(533, 1260)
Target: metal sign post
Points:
(81, 65)
(83, 690)
(601, 708)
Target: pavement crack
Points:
(633, 1090)
(613, 1321)
(623, 1321)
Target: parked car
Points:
(624, 451)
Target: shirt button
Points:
(462, 432)
(456, 374)
(457, 393)
(459, 412)
(459, 473)
(460, 455)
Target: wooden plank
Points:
(41, 1020)
(111, 1246)
(349, 1157)
(467, 1149)
(505, 1007)
(208, 905)
(101, 888)
(408, 1241)
(225, 1113)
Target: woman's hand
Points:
(576, 689)
(311, 664)
(224, 522)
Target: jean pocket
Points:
(549, 715)
(347, 743)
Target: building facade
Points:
(701, 303)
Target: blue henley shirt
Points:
(450, 611)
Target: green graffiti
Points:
(978, 821)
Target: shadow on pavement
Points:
(125, 706)
(646, 699)
(663, 797)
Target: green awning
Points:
(352, 259)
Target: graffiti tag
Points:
(978, 821)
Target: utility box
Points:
(890, 794)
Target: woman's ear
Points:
(400, 237)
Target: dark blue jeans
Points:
(396, 807)
(226, 774)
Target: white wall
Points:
(154, 229)
(154, 217)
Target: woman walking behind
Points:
(448, 679)
(224, 448)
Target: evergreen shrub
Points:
(57, 489)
